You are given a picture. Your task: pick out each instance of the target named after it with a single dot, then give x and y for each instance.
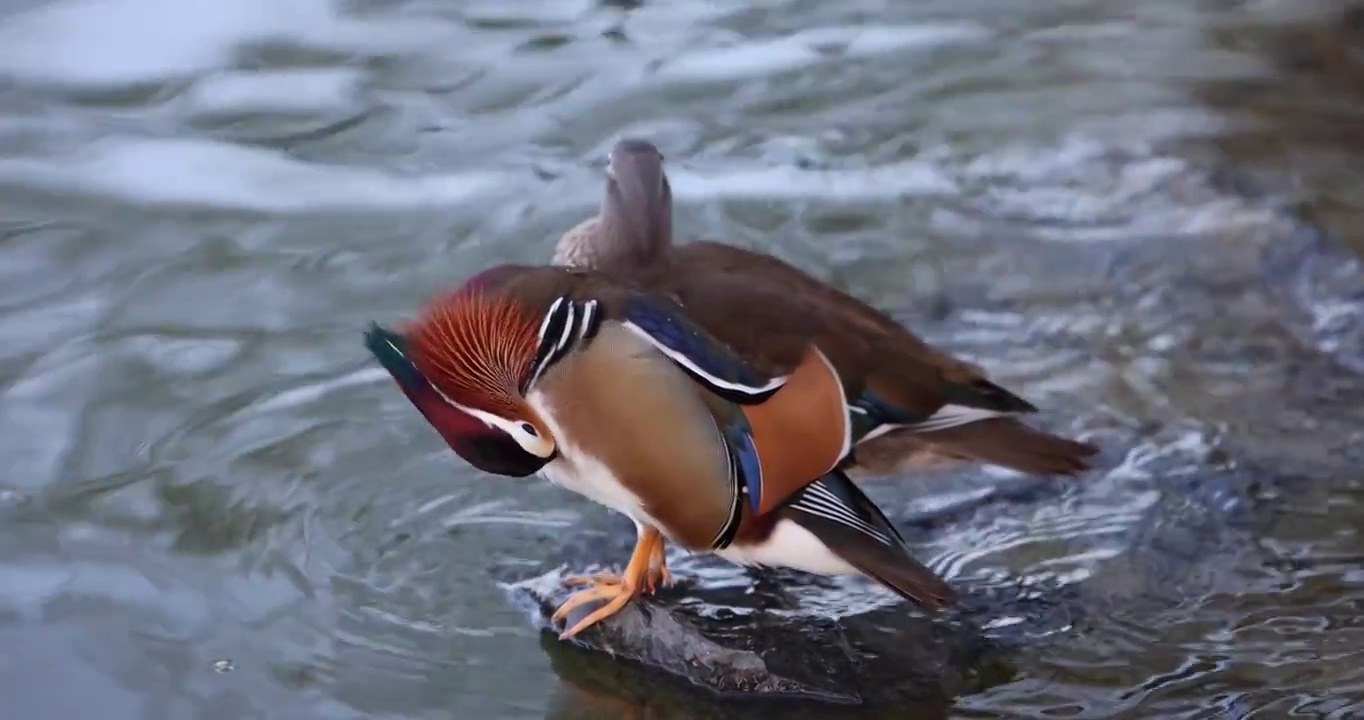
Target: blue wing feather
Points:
(703, 357)
(739, 439)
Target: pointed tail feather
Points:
(1008, 442)
(983, 394)
(897, 453)
(850, 525)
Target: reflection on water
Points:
(213, 507)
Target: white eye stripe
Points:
(524, 433)
(489, 419)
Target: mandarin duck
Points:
(615, 394)
(919, 405)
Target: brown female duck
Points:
(918, 403)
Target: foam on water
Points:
(313, 91)
(756, 58)
(915, 178)
(103, 43)
(216, 175)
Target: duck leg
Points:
(658, 575)
(617, 590)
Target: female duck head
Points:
(636, 216)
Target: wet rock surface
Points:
(1195, 485)
(735, 642)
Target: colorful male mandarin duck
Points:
(918, 404)
(617, 395)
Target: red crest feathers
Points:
(476, 347)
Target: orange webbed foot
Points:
(643, 571)
(616, 595)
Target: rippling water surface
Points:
(213, 506)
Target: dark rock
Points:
(786, 636)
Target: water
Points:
(214, 506)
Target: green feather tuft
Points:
(390, 349)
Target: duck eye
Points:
(529, 429)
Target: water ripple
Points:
(207, 200)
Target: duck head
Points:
(637, 210)
(463, 364)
